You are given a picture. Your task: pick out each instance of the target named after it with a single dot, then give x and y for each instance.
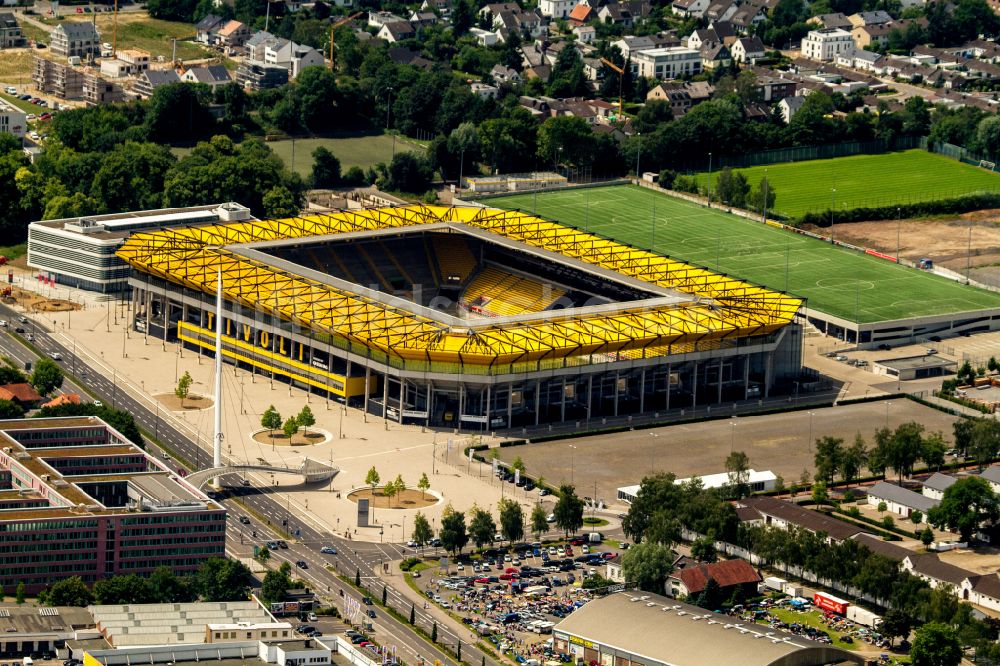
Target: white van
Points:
(27, 661)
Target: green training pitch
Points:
(867, 181)
(840, 282)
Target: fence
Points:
(821, 152)
(959, 153)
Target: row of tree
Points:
(271, 419)
(217, 579)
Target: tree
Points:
(568, 510)
(853, 458)
(565, 140)
(481, 527)
(385, 594)
(933, 451)
(398, 485)
(453, 535)
(905, 448)
(422, 533)
(738, 469)
(263, 556)
(372, 478)
(962, 431)
(183, 387)
(927, 536)
(408, 172)
(896, 623)
(306, 419)
(276, 583)
(10, 410)
(511, 520)
(882, 506)
(648, 565)
(703, 550)
(828, 458)
(935, 644)
(69, 592)
(916, 517)
(434, 629)
(47, 376)
(19, 594)
(966, 504)
(221, 579)
(423, 484)
(291, 427)
(177, 113)
(280, 202)
(539, 521)
(271, 420)
(988, 135)
(756, 199)
(518, 465)
(819, 493)
(390, 490)
(326, 169)
(413, 614)
(711, 597)
(984, 440)
(732, 188)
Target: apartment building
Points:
(60, 79)
(826, 44)
(668, 62)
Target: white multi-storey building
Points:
(668, 62)
(826, 44)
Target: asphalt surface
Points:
(263, 508)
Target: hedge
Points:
(964, 204)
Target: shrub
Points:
(409, 563)
(686, 184)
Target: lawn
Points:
(15, 66)
(360, 151)
(139, 31)
(867, 181)
(837, 281)
(27, 107)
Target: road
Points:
(265, 512)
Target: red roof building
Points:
(729, 574)
(23, 394)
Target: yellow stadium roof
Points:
(722, 307)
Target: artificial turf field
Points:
(837, 281)
(867, 181)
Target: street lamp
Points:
(638, 151)
(732, 435)
(887, 405)
(833, 207)
(572, 464)
(899, 223)
(809, 442)
(652, 452)
(710, 180)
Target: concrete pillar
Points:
(538, 400)
(669, 369)
(590, 395)
(746, 376)
(510, 402)
(767, 373)
(719, 400)
(149, 307)
(562, 403)
(385, 397)
(694, 386)
(489, 406)
(617, 379)
(368, 379)
(399, 412)
(642, 391)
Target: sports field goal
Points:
(986, 164)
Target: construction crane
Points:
(621, 79)
(334, 26)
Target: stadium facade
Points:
(466, 317)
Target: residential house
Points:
(691, 580)
(901, 501)
(837, 20)
(748, 16)
(581, 14)
(22, 393)
(696, 8)
(747, 50)
(639, 9)
(254, 47)
(293, 57)
(615, 13)
(613, 570)
(870, 18)
(981, 49)
(721, 10)
(631, 44)
(556, 9)
(504, 74)
(992, 476)
(703, 36)
(423, 19)
(127, 62)
(585, 34)
(773, 88)
(396, 31)
(530, 22)
(782, 515)
(75, 39)
(934, 571)
(257, 75)
(826, 44)
(700, 91)
(668, 62)
(152, 79)
(206, 29)
(673, 94)
(936, 484)
(213, 75)
(57, 78)
(714, 55)
(443, 6)
(63, 399)
(494, 8)
(483, 90)
(98, 91)
(233, 35)
(861, 59)
(483, 37)
(378, 19)
(404, 56)
(10, 31)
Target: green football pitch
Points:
(867, 181)
(840, 282)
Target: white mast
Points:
(217, 443)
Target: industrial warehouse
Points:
(464, 317)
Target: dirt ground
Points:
(778, 442)
(174, 404)
(298, 439)
(408, 499)
(35, 303)
(946, 241)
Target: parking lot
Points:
(513, 597)
(782, 443)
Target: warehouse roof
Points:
(807, 519)
(890, 492)
(663, 630)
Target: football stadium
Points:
(464, 317)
